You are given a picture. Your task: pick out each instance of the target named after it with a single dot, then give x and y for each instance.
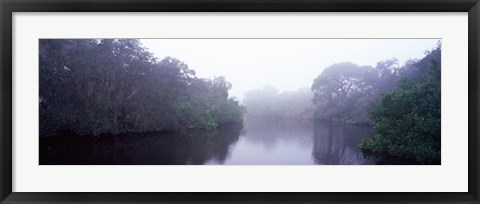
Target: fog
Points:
(286, 64)
(295, 102)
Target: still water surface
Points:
(258, 142)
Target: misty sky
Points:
(286, 64)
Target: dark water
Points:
(258, 142)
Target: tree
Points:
(339, 90)
(116, 86)
(408, 120)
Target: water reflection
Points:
(258, 142)
(199, 147)
(297, 142)
(274, 142)
(337, 144)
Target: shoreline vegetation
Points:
(117, 86)
(95, 88)
(407, 120)
(401, 103)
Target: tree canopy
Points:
(116, 85)
(344, 92)
(407, 125)
(402, 104)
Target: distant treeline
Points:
(269, 103)
(115, 86)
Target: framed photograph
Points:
(239, 101)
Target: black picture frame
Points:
(7, 8)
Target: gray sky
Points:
(286, 64)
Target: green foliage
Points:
(407, 120)
(403, 104)
(115, 86)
